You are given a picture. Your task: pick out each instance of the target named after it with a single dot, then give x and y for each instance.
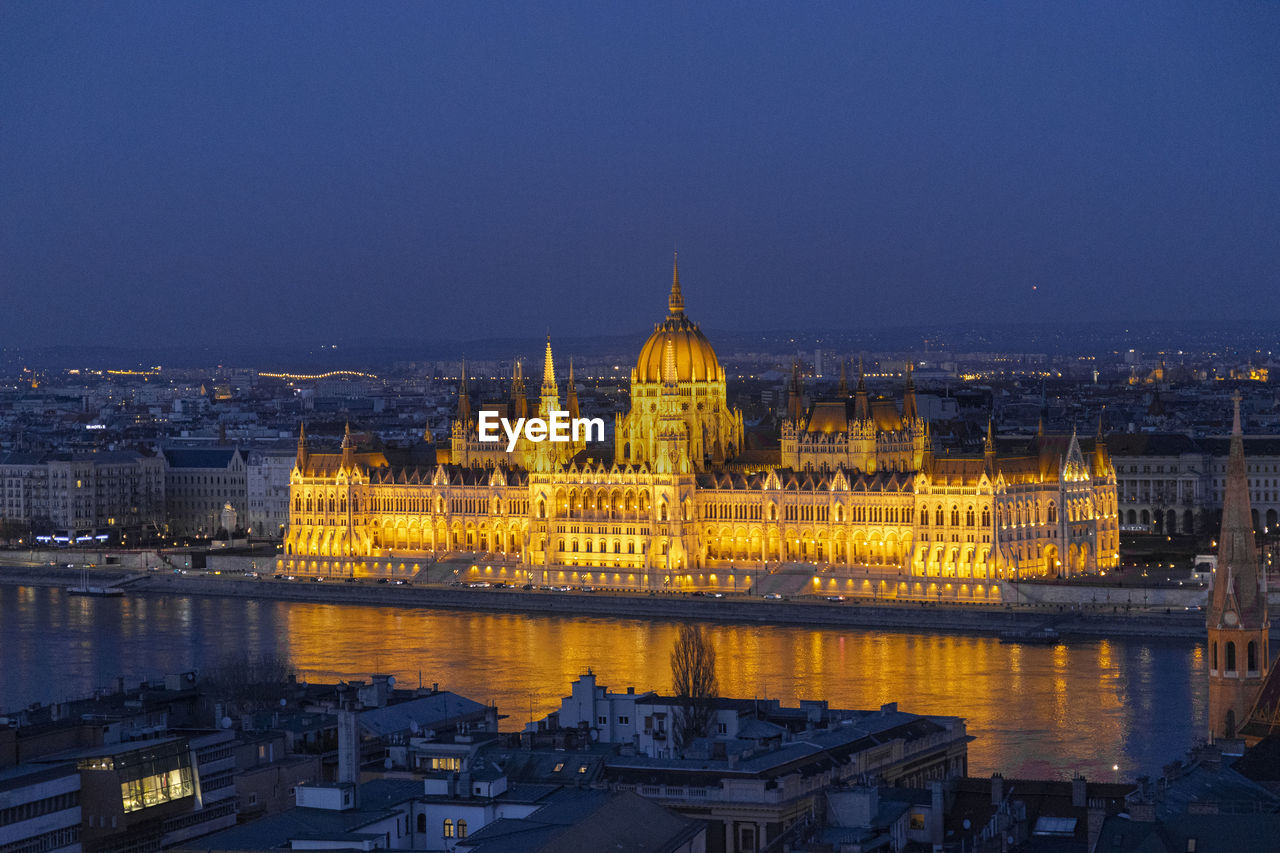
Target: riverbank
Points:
(806, 612)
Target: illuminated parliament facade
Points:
(855, 496)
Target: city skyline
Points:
(207, 175)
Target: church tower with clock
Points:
(1237, 619)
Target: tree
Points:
(244, 684)
(693, 680)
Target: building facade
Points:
(856, 493)
(199, 484)
(78, 497)
(1174, 484)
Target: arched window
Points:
(937, 516)
(662, 514)
(924, 519)
(448, 828)
(422, 823)
(1053, 513)
(968, 517)
(986, 516)
(462, 828)
(955, 516)
(1215, 657)
(1251, 657)
(1231, 657)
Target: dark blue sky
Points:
(220, 172)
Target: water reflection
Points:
(1035, 709)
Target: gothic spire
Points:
(1238, 585)
(348, 447)
(675, 302)
(550, 391)
(572, 403)
(519, 396)
(302, 446)
(795, 398)
(909, 411)
(464, 397)
(861, 405)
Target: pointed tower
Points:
(464, 397)
(572, 401)
(861, 403)
(550, 391)
(675, 302)
(1237, 621)
(1101, 458)
(1044, 412)
(519, 396)
(909, 411)
(843, 390)
(302, 458)
(348, 448)
(795, 396)
(989, 449)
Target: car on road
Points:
(479, 585)
(835, 598)
(771, 596)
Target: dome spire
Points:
(675, 302)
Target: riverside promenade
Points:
(809, 611)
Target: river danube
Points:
(1035, 710)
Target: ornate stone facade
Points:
(857, 497)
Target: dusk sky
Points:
(212, 172)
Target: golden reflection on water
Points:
(1042, 710)
(1035, 710)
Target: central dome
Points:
(695, 359)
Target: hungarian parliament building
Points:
(854, 496)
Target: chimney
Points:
(935, 813)
(349, 750)
(1079, 786)
(1097, 814)
(997, 789)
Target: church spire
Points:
(348, 447)
(550, 391)
(675, 302)
(861, 405)
(1237, 620)
(464, 397)
(1238, 582)
(302, 446)
(519, 396)
(795, 397)
(572, 402)
(909, 411)
(1044, 412)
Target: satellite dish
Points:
(226, 722)
(391, 681)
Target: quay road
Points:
(802, 610)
